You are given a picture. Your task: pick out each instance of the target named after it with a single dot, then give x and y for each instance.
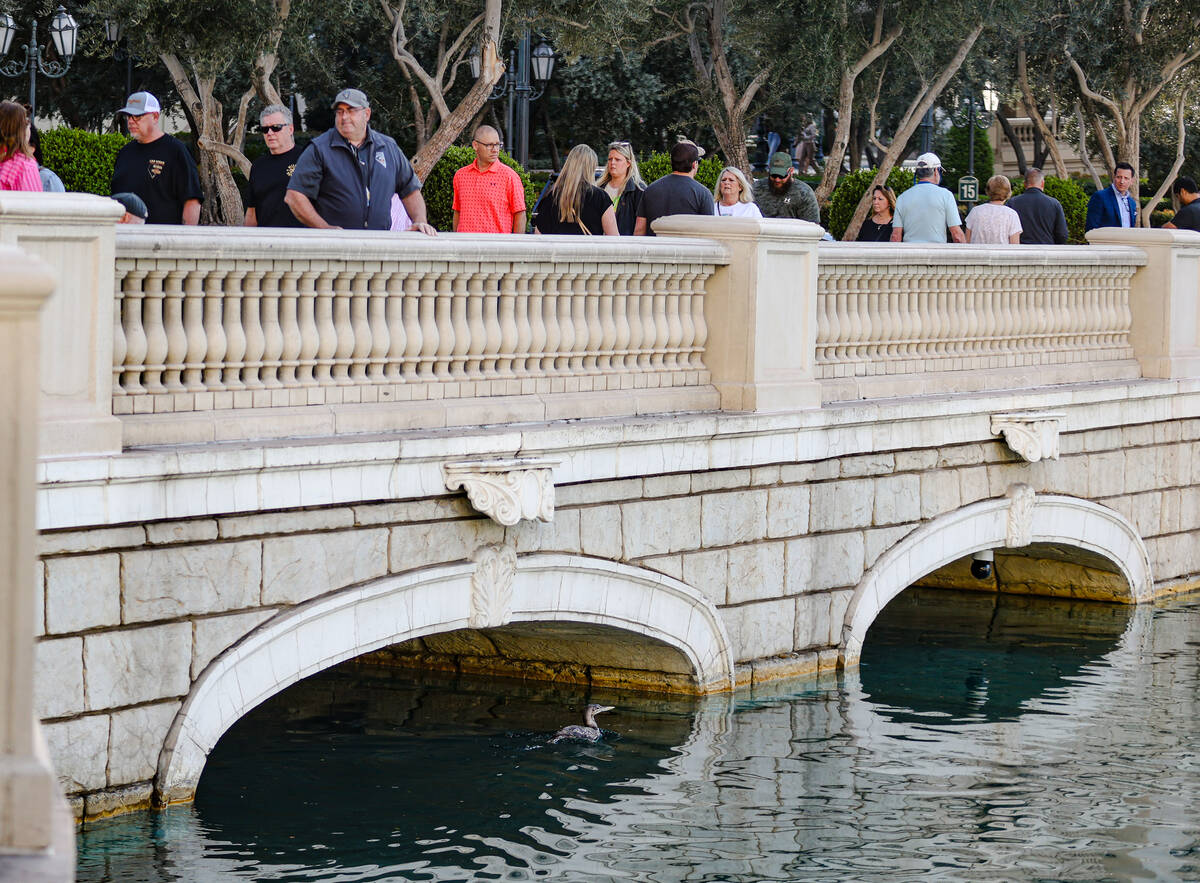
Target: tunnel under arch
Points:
(1048, 519)
(350, 622)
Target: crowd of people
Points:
(354, 177)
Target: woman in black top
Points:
(878, 227)
(574, 204)
(623, 183)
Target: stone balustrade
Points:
(216, 320)
(971, 317)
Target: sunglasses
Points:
(616, 145)
(278, 127)
(777, 177)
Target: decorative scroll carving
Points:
(506, 490)
(1019, 531)
(492, 586)
(1033, 436)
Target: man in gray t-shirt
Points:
(676, 193)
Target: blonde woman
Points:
(624, 185)
(574, 204)
(994, 223)
(734, 195)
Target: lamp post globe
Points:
(543, 62)
(8, 29)
(64, 32)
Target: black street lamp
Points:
(516, 85)
(113, 32)
(63, 33)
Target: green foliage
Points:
(656, 165)
(956, 158)
(438, 188)
(850, 189)
(82, 159)
(1074, 201)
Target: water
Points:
(1028, 739)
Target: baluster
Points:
(622, 304)
(235, 335)
(133, 334)
(550, 298)
(523, 321)
(358, 328)
(460, 277)
(699, 324)
(646, 319)
(444, 312)
(414, 336)
(590, 318)
(214, 328)
(173, 328)
(193, 329)
(895, 323)
(119, 345)
(394, 300)
(511, 297)
(268, 374)
(306, 320)
(378, 324)
(604, 315)
(662, 329)
(256, 339)
(428, 339)
(574, 334)
(156, 333)
(344, 336)
(497, 296)
(535, 363)
(476, 341)
(326, 329)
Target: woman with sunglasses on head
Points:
(734, 195)
(18, 169)
(877, 227)
(624, 185)
(574, 204)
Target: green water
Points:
(1019, 739)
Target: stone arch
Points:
(333, 628)
(1017, 519)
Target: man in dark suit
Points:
(1113, 206)
(1043, 221)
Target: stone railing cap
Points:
(737, 228)
(1142, 236)
(925, 254)
(217, 243)
(57, 208)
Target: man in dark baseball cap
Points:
(346, 177)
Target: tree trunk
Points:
(453, 125)
(1035, 116)
(908, 126)
(1011, 135)
(1180, 104)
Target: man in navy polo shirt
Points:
(346, 177)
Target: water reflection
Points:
(1077, 762)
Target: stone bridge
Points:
(693, 464)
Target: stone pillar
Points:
(75, 234)
(28, 791)
(1163, 299)
(761, 310)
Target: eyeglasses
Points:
(493, 145)
(277, 127)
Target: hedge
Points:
(657, 165)
(1074, 201)
(84, 160)
(438, 187)
(850, 189)
(956, 158)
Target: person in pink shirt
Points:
(488, 195)
(18, 168)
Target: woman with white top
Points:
(994, 223)
(734, 195)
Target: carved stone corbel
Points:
(506, 490)
(1019, 530)
(492, 586)
(1032, 436)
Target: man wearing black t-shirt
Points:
(1188, 216)
(676, 193)
(270, 174)
(157, 167)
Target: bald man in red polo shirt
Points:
(488, 195)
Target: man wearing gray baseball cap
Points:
(156, 166)
(346, 177)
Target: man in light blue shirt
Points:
(925, 211)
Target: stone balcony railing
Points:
(178, 335)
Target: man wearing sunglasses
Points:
(779, 196)
(270, 173)
(156, 166)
